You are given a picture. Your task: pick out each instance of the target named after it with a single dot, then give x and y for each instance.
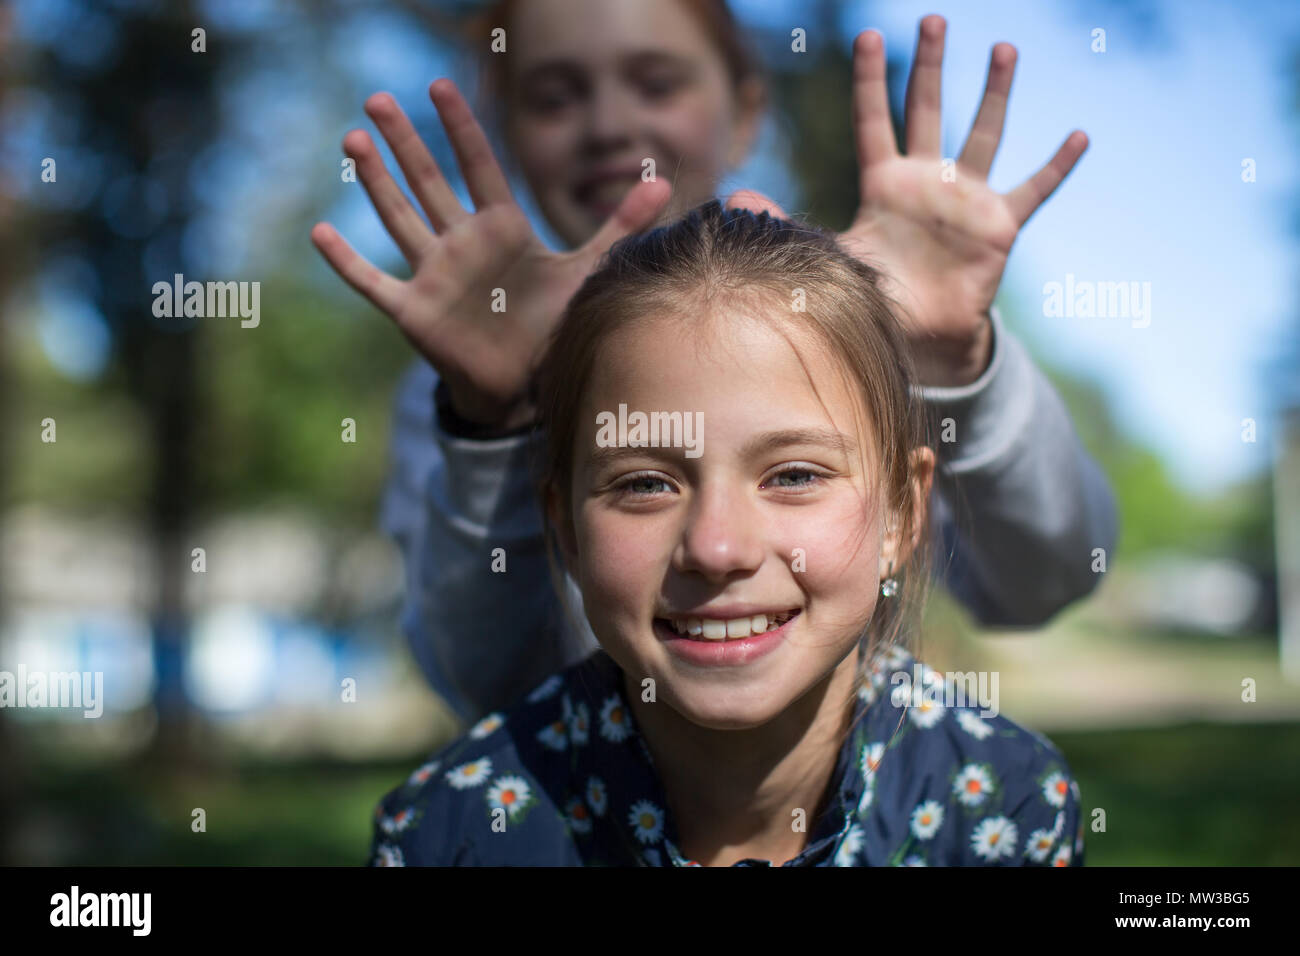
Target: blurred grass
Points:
(1201, 794)
(1197, 794)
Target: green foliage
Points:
(277, 395)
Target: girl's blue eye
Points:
(628, 487)
(636, 485)
(795, 471)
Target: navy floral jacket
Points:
(565, 779)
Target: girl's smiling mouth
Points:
(712, 641)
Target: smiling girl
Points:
(584, 93)
(751, 701)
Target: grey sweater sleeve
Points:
(482, 637)
(1018, 506)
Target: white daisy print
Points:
(925, 712)
(1058, 823)
(973, 785)
(554, 735)
(877, 679)
(926, 819)
(1055, 787)
(1039, 845)
(646, 820)
(864, 801)
(596, 796)
(1062, 857)
(579, 817)
(915, 860)
(869, 760)
(470, 774)
(615, 724)
(486, 726)
(867, 694)
(386, 855)
(974, 724)
(510, 792)
(579, 724)
(895, 658)
(547, 688)
(423, 773)
(847, 853)
(994, 838)
(398, 821)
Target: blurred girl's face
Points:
(780, 515)
(599, 86)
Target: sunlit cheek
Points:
(623, 559)
(833, 552)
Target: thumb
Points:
(756, 203)
(638, 210)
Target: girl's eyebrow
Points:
(767, 442)
(638, 59)
(829, 437)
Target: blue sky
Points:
(1158, 197)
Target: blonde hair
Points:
(716, 254)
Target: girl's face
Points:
(599, 86)
(779, 514)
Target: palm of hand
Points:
(485, 291)
(942, 242)
(484, 300)
(939, 232)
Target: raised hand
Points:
(943, 244)
(446, 309)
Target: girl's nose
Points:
(609, 119)
(721, 537)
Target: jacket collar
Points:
(629, 807)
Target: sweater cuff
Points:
(979, 422)
(485, 485)
(457, 427)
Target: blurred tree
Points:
(144, 108)
(12, 259)
(813, 96)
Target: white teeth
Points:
(712, 629)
